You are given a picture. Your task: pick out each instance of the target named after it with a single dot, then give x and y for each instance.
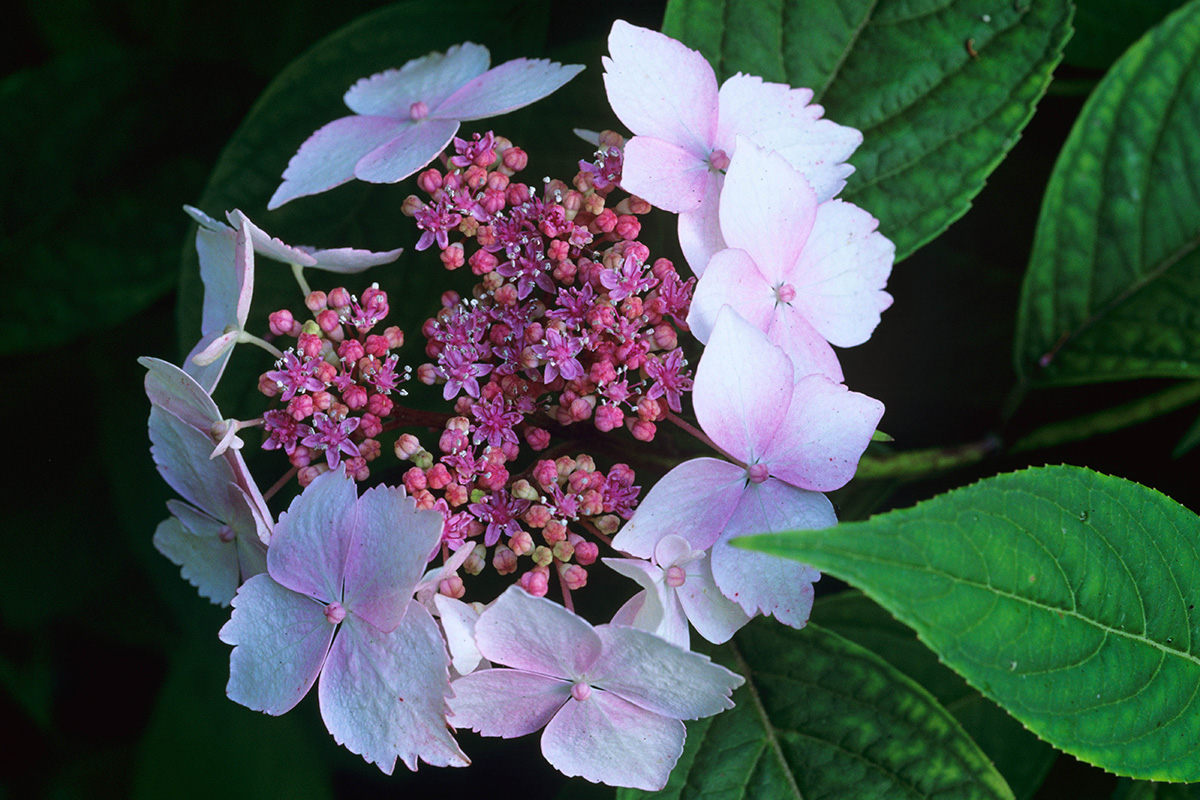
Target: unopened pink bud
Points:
(628, 227)
(665, 337)
(300, 407)
(609, 417)
(676, 577)
(335, 613)
(563, 550)
(545, 473)
(282, 323)
(379, 405)
(268, 386)
(586, 552)
(437, 477)
(226, 534)
(316, 301)
(554, 532)
(427, 374)
(521, 542)
(339, 298)
(307, 475)
(758, 473)
(430, 181)
(514, 160)
(453, 256)
(574, 576)
(451, 587)
(581, 408)
(642, 431)
(369, 449)
(357, 468)
(456, 494)
(425, 499)
(607, 524)
(323, 401)
(504, 560)
(350, 350)
(535, 582)
(537, 438)
(310, 345)
(476, 561)
(581, 691)
(536, 516)
(564, 465)
(542, 555)
(355, 396)
(414, 480)
(329, 320)
(407, 446)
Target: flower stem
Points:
(702, 437)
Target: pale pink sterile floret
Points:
(345, 565)
(227, 269)
(611, 698)
(805, 272)
(685, 131)
(404, 117)
(809, 433)
(345, 260)
(678, 587)
(218, 537)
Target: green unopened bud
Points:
(423, 459)
(542, 555)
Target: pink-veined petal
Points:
(458, 625)
(212, 347)
(512, 85)
(605, 739)
(759, 582)
(406, 152)
(429, 79)
(506, 702)
(808, 350)
(700, 229)
(328, 157)
(386, 555)
(383, 695)
(658, 611)
(536, 635)
(767, 209)
(714, 616)
(664, 174)
(310, 544)
(743, 387)
(206, 562)
(731, 278)
(839, 278)
(823, 435)
(280, 640)
(693, 501)
(780, 118)
(659, 87)
(659, 676)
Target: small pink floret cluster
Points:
(573, 336)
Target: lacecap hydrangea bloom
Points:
(434, 565)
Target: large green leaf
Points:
(1066, 596)
(936, 120)
(820, 716)
(1021, 757)
(1104, 28)
(1114, 280)
(304, 97)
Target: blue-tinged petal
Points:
(512, 85)
(205, 560)
(308, 549)
(406, 152)
(429, 79)
(327, 158)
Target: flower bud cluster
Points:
(337, 383)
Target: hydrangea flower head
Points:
(219, 536)
(337, 601)
(404, 117)
(685, 131)
(610, 697)
(803, 271)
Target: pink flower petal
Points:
(657, 610)
(693, 500)
(658, 87)
(280, 640)
(659, 676)
(205, 561)
(178, 393)
(309, 547)
(759, 582)
(227, 269)
(808, 350)
(406, 152)
(743, 387)
(714, 616)
(777, 117)
(700, 229)
(269, 246)
(840, 275)
(767, 209)
(605, 739)
(506, 702)
(664, 174)
(383, 695)
(512, 85)
(823, 435)
(348, 260)
(536, 635)
(387, 555)
(458, 625)
(328, 157)
(731, 278)
(429, 79)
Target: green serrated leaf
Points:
(1141, 790)
(941, 89)
(301, 99)
(1021, 757)
(1114, 279)
(820, 716)
(1066, 596)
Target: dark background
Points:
(112, 116)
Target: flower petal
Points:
(605, 739)
(387, 555)
(758, 582)
(661, 88)
(694, 500)
(269, 246)
(658, 610)
(205, 561)
(714, 616)
(664, 174)
(406, 152)
(700, 229)
(280, 640)
(349, 260)
(512, 85)
(429, 79)
(536, 635)
(731, 278)
(506, 702)
(328, 157)
(659, 676)
(825, 432)
(743, 387)
(458, 625)
(383, 695)
(309, 547)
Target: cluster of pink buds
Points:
(336, 383)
